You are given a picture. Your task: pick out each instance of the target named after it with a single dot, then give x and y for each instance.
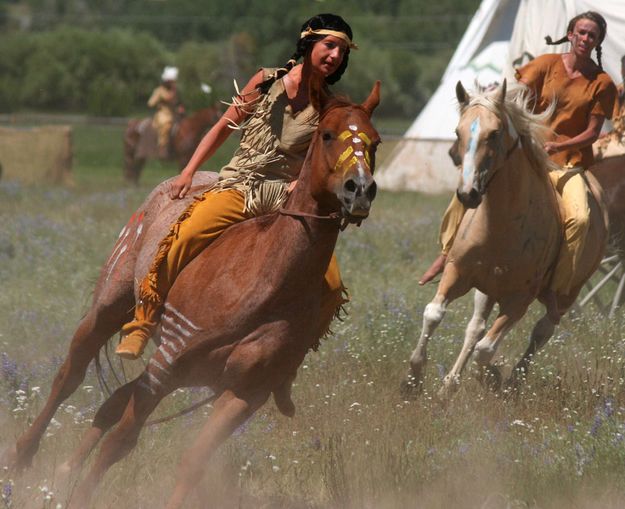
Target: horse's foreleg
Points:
(120, 441)
(542, 332)
(482, 307)
(229, 412)
(93, 332)
(432, 316)
(282, 397)
(106, 417)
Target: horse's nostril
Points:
(350, 186)
(372, 191)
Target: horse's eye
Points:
(326, 136)
(493, 136)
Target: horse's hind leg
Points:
(482, 307)
(121, 440)
(106, 417)
(100, 323)
(510, 312)
(229, 412)
(542, 332)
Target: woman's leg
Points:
(199, 225)
(449, 228)
(573, 190)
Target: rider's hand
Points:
(180, 186)
(551, 147)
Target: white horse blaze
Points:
(468, 162)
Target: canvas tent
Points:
(501, 33)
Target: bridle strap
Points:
(513, 147)
(333, 216)
(508, 154)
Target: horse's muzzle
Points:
(471, 199)
(356, 196)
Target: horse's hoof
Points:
(285, 406)
(8, 458)
(492, 378)
(514, 383)
(410, 388)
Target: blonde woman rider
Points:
(277, 114)
(585, 95)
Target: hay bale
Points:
(38, 154)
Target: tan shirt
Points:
(164, 100)
(274, 144)
(577, 99)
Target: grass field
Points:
(354, 442)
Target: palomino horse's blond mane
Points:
(530, 127)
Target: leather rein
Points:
(333, 216)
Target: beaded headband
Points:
(335, 33)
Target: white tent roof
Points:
(501, 32)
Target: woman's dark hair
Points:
(589, 15)
(318, 22)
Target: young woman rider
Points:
(585, 95)
(277, 114)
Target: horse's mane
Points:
(531, 127)
(337, 101)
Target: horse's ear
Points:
(500, 98)
(373, 100)
(461, 94)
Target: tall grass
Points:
(354, 442)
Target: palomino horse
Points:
(509, 237)
(140, 140)
(244, 352)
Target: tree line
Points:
(105, 56)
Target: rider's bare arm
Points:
(215, 137)
(587, 137)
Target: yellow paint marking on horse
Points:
(364, 138)
(344, 135)
(343, 157)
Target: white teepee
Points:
(502, 34)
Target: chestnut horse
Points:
(239, 325)
(140, 140)
(509, 237)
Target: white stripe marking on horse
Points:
(177, 326)
(166, 355)
(112, 265)
(154, 362)
(147, 387)
(468, 166)
(178, 314)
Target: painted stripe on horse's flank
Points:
(154, 362)
(170, 344)
(147, 387)
(112, 265)
(166, 355)
(170, 335)
(120, 242)
(174, 311)
(170, 320)
(153, 378)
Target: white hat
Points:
(170, 73)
